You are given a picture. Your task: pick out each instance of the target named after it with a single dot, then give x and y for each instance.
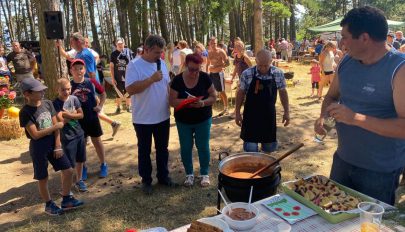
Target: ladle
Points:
(277, 160)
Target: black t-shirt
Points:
(71, 129)
(120, 61)
(192, 115)
(86, 94)
(41, 116)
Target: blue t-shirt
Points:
(90, 61)
(71, 129)
(318, 49)
(86, 94)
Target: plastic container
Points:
(240, 225)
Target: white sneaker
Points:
(189, 180)
(205, 181)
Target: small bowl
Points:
(240, 225)
(219, 223)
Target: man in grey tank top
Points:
(366, 100)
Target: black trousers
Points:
(160, 133)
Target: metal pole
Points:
(60, 63)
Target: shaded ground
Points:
(116, 203)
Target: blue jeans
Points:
(254, 147)
(379, 185)
(160, 133)
(199, 132)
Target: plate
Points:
(221, 224)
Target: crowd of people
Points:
(364, 98)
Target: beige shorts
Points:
(21, 77)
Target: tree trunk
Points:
(84, 19)
(74, 16)
(96, 41)
(67, 27)
(145, 31)
(293, 35)
(258, 29)
(30, 20)
(161, 5)
(133, 23)
(122, 19)
(24, 19)
(50, 66)
(285, 30)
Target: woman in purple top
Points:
(240, 63)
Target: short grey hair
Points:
(155, 40)
(77, 36)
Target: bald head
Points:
(263, 61)
(263, 56)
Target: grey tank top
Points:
(367, 89)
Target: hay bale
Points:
(10, 129)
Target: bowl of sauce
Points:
(240, 216)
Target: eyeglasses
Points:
(193, 69)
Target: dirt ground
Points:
(116, 202)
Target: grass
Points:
(117, 203)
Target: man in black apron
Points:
(260, 84)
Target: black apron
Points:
(259, 114)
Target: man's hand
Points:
(157, 76)
(318, 126)
(59, 125)
(97, 109)
(286, 119)
(58, 43)
(341, 113)
(238, 119)
(58, 153)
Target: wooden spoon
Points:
(277, 160)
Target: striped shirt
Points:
(276, 73)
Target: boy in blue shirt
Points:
(69, 111)
(38, 117)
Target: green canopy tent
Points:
(335, 26)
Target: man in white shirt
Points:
(147, 80)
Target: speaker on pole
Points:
(54, 25)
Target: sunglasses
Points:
(193, 69)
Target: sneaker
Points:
(224, 112)
(118, 110)
(61, 193)
(84, 172)
(168, 182)
(189, 181)
(115, 126)
(81, 186)
(129, 109)
(52, 209)
(146, 188)
(70, 202)
(103, 170)
(205, 181)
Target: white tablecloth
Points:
(268, 221)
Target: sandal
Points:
(189, 181)
(205, 181)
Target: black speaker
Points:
(54, 25)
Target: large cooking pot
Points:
(238, 189)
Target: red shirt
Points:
(315, 74)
